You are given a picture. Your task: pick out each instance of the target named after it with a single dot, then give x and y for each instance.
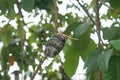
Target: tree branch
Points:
(56, 16)
(86, 12)
(114, 10)
(38, 67)
(19, 8)
(98, 25)
(20, 12)
(97, 22)
(98, 31)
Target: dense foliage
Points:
(26, 25)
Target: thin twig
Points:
(76, 6)
(21, 14)
(56, 16)
(114, 10)
(86, 12)
(71, 37)
(38, 67)
(19, 8)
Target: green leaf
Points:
(14, 49)
(28, 5)
(81, 29)
(103, 61)
(49, 27)
(44, 4)
(91, 62)
(74, 48)
(115, 4)
(60, 2)
(113, 72)
(83, 42)
(116, 44)
(70, 19)
(97, 60)
(111, 15)
(71, 57)
(71, 27)
(11, 12)
(3, 6)
(88, 50)
(109, 32)
(6, 34)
